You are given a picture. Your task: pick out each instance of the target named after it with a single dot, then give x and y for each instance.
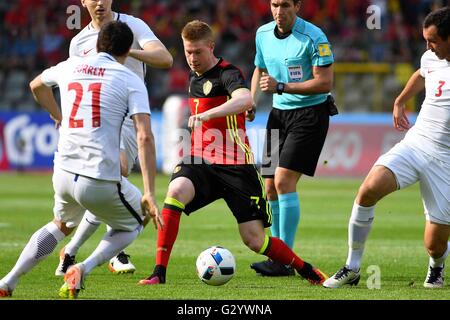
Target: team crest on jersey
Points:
(207, 87)
(177, 169)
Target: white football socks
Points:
(439, 262)
(358, 230)
(112, 243)
(88, 225)
(40, 245)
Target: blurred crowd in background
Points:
(34, 35)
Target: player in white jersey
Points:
(423, 155)
(146, 49)
(96, 95)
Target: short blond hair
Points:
(197, 30)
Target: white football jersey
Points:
(97, 93)
(84, 44)
(431, 132)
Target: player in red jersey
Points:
(220, 164)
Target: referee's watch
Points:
(280, 87)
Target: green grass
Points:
(395, 245)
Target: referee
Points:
(293, 62)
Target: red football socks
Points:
(166, 237)
(278, 251)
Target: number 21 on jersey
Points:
(95, 88)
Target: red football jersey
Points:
(220, 140)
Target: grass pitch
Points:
(395, 246)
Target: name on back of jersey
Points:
(90, 70)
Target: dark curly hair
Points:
(441, 19)
(115, 38)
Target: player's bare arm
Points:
(414, 85)
(123, 164)
(154, 54)
(44, 96)
(322, 82)
(255, 92)
(147, 157)
(255, 88)
(241, 101)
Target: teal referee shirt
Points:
(291, 59)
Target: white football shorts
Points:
(128, 144)
(118, 204)
(410, 165)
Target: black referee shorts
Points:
(240, 186)
(294, 139)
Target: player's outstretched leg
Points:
(41, 245)
(277, 250)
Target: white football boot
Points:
(121, 264)
(342, 277)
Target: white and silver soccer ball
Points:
(216, 266)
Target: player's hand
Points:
(197, 119)
(151, 211)
(250, 114)
(401, 122)
(267, 83)
(57, 121)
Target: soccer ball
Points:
(215, 266)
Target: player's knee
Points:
(181, 189)
(368, 195)
(63, 227)
(254, 243)
(175, 193)
(379, 182)
(285, 186)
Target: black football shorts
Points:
(240, 186)
(294, 139)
